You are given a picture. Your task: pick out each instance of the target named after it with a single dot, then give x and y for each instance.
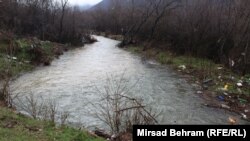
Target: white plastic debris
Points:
(183, 67)
(113, 137)
(27, 62)
(244, 116)
(199, 92)
(231, 62)
(239, 84)
(225, 106)
(246, 111)
(220, 68)
(14, 58)
(226, 94)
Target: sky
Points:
(84, 2)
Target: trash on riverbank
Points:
(183, 67)
(232, 120)
(225, 106)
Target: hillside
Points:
(109, 4)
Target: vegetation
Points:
(206, 39)
(217, 30)
(45, 19)
(15, 69)
(16, 127)
(211, 76)
(22, 54)
(28, 32)
(127, 110)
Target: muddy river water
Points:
(72, 79)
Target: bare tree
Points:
(118, 110)
(63, 8)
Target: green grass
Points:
(13, 66)
(24, 47)
(23, 55)
(48, 48)
(3, 46)
(163, 58)
(134, 49)
(15, 127)
(23, 43)
(116, 37)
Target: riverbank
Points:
(18, 56)
(15, 127)
(24, 54)
(219, 86)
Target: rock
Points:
(102, 133)
(225, 106)
(47, 62)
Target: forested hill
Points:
(213, 29)
(109, 4)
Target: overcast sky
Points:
(84, 2)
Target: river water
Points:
(71, 80)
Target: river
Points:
(72, 79)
